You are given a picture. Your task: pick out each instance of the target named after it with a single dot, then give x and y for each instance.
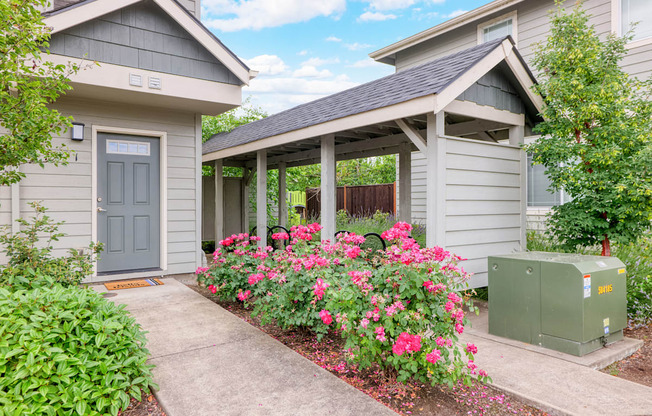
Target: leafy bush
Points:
(401, 309)
(66, 350)
(31, 263)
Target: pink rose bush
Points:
(401, 308)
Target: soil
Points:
(147, 407)
(637, 367)
(406, 399)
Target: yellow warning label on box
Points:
(621, 271)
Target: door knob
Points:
(100, 209)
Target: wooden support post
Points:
(247, 174)
(282, 195)
(328, 187)
(261, 197)
(436, 181)
(219, 200)
(405, 182)
(516, 138)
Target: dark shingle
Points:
(429, 78)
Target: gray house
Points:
(134, 180)
(528, 23)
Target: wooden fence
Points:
(358, 201)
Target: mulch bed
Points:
(147, 407)
(637, 367)
(405, 399)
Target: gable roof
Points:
(427, 79)
(69, 13)
(386, 54)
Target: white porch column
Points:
(516, 138)
(405, 182)
(219, 200)
(436, 181)
(282, 196)
(328, 187)
(247, 175)
(261, 197)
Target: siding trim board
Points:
(162, 136)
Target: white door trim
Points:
(163, 137)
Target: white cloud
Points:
(455, 13)
(390, 4)
(302, 53)
(234, 15)
(319, 61)
(375, 17)
(333, 39)
(357, 46)
(311, 72)
(267, 64)
(278, 94)
(365, 63)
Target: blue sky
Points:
(307, 49)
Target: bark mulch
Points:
(147, 407)
(637, 367)
(405, 399)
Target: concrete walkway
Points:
(558, 383)
(210, 362)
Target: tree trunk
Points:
(606, 246)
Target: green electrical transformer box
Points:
(566, 302)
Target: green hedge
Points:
(66, 351)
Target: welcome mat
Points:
(129, 284)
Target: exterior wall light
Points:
(78, 131)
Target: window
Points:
(127, 147)
(537, 188)
(633, 11)
(497, 28)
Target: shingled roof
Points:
(429, 78)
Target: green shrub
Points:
(31, 263)
(66, 351)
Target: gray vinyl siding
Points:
(532, 28)
(495, 90)
(142, 36)
(483, 203)
(67, 190)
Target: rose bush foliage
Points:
(401, 308)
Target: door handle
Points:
(100, 209)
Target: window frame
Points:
(617, 26)
(502, 18)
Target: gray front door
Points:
(128, 202)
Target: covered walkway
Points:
(467, 112)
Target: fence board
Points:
(361, 200)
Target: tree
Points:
(28, 85)
(596, 138)
(226, 122)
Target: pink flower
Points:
(482, 373)
(364, 322)
(454, 297)
(459, 328)
(471, 348)
(242, 296)
(319, 288)
(255, 278)
(434, 356)
(380, 334)
(213, 289)
(449, 306)
(407, 343)
(458, 314)
(471, 365)
(353, 252)
(226, 242)
(201, 270)
(280, 236)
(440, 341)
(326, 316)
